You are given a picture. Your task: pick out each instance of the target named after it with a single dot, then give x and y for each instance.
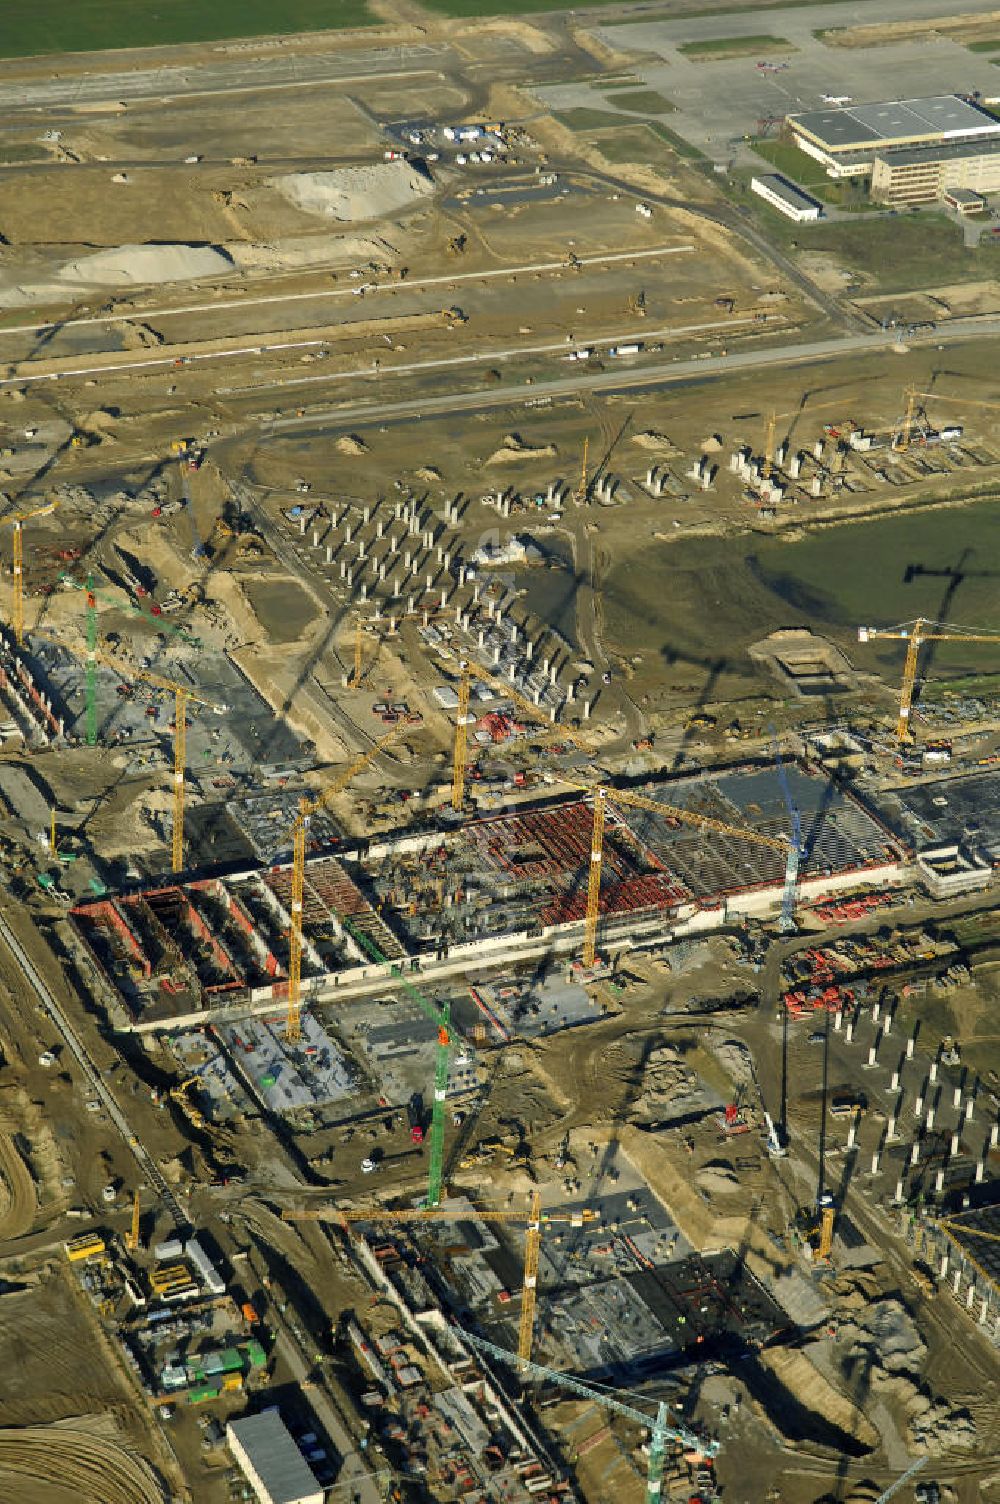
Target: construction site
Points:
(499, 774)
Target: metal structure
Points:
(581, 494)
(601, 794)
(461, 713)
(915, 634)
(17, 522)
(659, 1426)
(914, 405)
(132, 1241)
(767, 469)
(442, 1070)
(307, 808)
(529, 1294)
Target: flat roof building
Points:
(902, 122)
(786, 197)
(923, 174)
(271, 1462)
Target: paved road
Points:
(95, 1081)
(662, 372)
(234, 74)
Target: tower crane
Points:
(795, 852)
(904, 431)
(660, 1428)
(601, 794)
(468, 672)
(534, 1219)
(132, 1241)
(17, 521)
(767, 469)
(94, 655)
(308, 808)
(915, 634)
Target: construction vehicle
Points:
(660, 1429)
(179, 1094)
(915, 634)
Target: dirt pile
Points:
(145, 265)
(350, 443)
(514, 448)
(356, 193)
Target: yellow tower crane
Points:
(601, 795)
(581, 494)
(534, 1219)
(767, 469)
(915, 634)
(507, 691)
(17, 522)
(182, 695)
(904, 433)
(308, 808)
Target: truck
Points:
(633, 348)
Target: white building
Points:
(786, 198)
(271, 1462)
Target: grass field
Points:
(620, 138)
(640, 101)
(718, 47)
(29, 27)
(808, 174)
(991, 44)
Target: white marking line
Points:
(346, 292)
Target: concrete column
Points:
(348, 533)
(909, 1047)
(302, 527)
(329, 553)
(496, 655)
(343, 568)
(378, 611)
(429, 579)
(392, 626)
(529, 650)
(315, 537)
(553, 674)
(984, 1309)
(953, 1151)
(958, 1280)
(407, 558)
(350, 577)
(872, 1056)
(536, 696)
(876, 1013)
(930, 1118)
(395, 589)
(552, 714)
(838, 1019)
(849, 1032)
(899, 1189)
(894, 1083)
(888, 1021)
(994, 1135)
(444, 599)
(875, 1162)
(381, 571)
(932, 1073)
(379, 528)
(512, 672)
(367, 514)
(918, 1107)
(915, 1152)
(969, 1109)
(461, 574)
(980, 1171)
(943, 1266)
(482, 638)
(939, 1182)
(890, 1130)
(475, 593)
(364, 591)
(956, 1099)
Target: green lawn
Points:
(621, 140)
(992, 44)
(734, 47)
(808, 174)
(640, 101)
(28, 27)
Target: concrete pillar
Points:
(984, 1309)
(953, 1151)
(379, 528)
(899, 1189)
(909, 1047)
(970, 1296)
(491, 607)
(381, 571)
(343, 568)
(367, 514)
(350, 577)
(931, 1111)
(429, 579)
(838, 1019)
(364, 591)
(888, 1022)
(482, 638)
(348, 533)
(399, 510)
(586, 709)
(392, 626)
(894, 1083)
(315, 536)
(957, 1280)
(875, 1162)
(475, 593)
(943, 1266)
(849, 1032)
(915, 1152)
(553, 674)
(395, 589)
(407, 558)
(876, 1012)
(933, 1072)
(302, 527)
(918, 1107)
(994, 1135)
(444, 599)
(872, 1056)
(552, 715)
(512, 672)
(536, 696)
(529, 650)
(496, 655)
(329, 553)
(969, 1109)
(378, 611)
(461, 574)
(980, 1171)
(956, 1099)
(939, 1182)
(890, 1131)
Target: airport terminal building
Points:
(913, 150)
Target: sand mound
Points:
(349, 443)
(650, 439)
(356, 192)
(429, 473)
(514, 448)
(146, 264)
